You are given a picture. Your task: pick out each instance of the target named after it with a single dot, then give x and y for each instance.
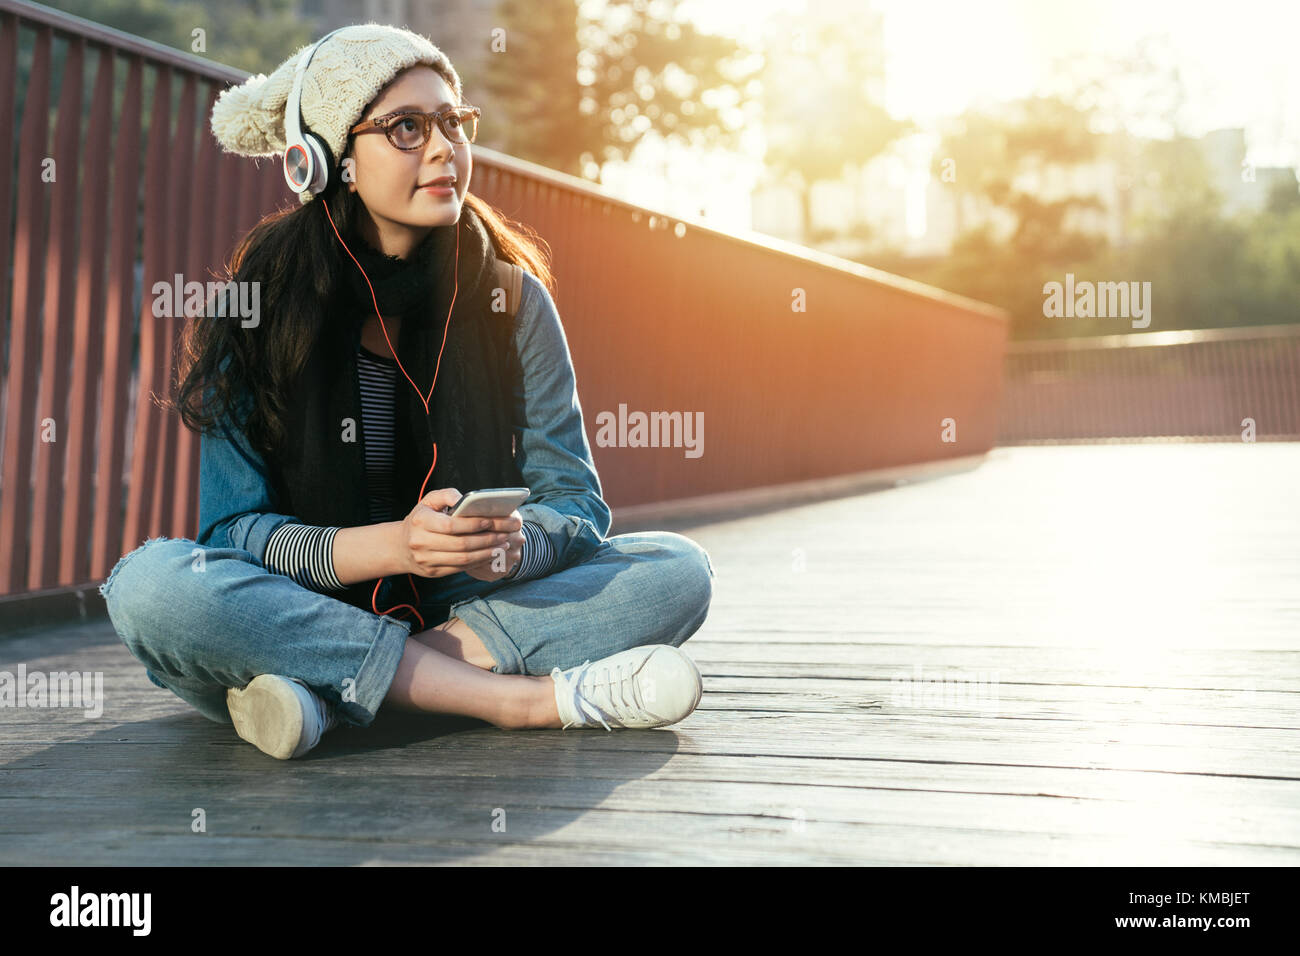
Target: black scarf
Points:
(320, 471)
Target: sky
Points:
(1238, 59)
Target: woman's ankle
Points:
(547, 712)
(531, 707)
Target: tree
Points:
(819, 112)
(580, 85)
(252, 35)
(1006, 158)
(532, 86)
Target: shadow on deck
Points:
(1115, 631)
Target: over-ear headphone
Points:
(307, 158)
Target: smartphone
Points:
(489, 503)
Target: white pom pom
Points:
(249, 119)
(242, 123)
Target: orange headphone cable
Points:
(423, 398)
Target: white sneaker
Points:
(280, 716)
(647, 686)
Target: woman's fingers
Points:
(465, 542)
(445, 563)
(437, 522)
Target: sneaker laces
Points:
(586, 709)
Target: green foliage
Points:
(532, 89)
(252, 35)
(577, 87)
(818, 112)
(1206, 270)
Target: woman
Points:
(327, 578)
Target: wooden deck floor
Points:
(1126, 619)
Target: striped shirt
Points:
(378, 386)
(305, 553)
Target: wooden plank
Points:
(411, 826)
(1277, 671)
(825, 820)
(157, 762)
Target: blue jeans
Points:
(202, 619)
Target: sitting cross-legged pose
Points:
(383, 378)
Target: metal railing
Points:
(802, 365)
(1219, 384)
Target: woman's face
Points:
(394, 184)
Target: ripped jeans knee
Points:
(121, 562)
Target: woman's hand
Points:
(432, 544)
(505, 557)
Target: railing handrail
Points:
(748, 237)
(68, 24)
(1137, 340)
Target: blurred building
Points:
(1245, 188)
(895, 204)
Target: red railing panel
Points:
(203, 252)
(114, 392)
(25, 316)
(8, 97)
(1193, 385)
(157, 228)
(60, 279)
(173, 262)
(88, 332)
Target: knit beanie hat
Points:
(344, 76)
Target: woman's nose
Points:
(438, 147)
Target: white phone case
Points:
(489, 503)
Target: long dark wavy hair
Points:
(295, 256)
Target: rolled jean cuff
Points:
(478, 614)
(376, 673)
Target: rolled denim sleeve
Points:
(237, 506)
(564, 507)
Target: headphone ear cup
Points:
(307, 165)
(300, 166)
(321, 163)
(325, 168)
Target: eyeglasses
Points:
(410, 129)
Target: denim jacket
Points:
(238, 508)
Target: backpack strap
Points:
(511, 278)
